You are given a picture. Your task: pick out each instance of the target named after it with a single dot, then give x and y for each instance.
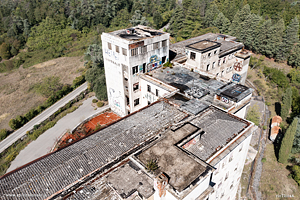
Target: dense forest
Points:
(33, 31)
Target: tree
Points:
(239, 18)
(286, 103)
(157, 19)
(222, 23)
(5, 51)
(287, 142)
(294, 58)
(296, 142)
(289, 39)
(3, 134)
(253, 114)
(177, 21)
(138, 18)
(210, 15)
(100, 88)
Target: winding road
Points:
(12, 138)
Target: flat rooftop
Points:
(204, 45)
(228, 44)
(196, 86)
(181, 169)
(61, 169)
(137, 33)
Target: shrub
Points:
(151, 165)
(98, 126)
(100, 103)
(94, 100)
(3, 134)
(263, 160)
(78, 81)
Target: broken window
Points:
(134, 52)
(156, 45)
(193, 56)
(127, 100)
(144, 49)
(117, 49)
(134, 69)
(164, 43)
(135, 86)
(109, 45)
(124, 52)
(136, 102)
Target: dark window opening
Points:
(117, 49)
(207, 67)
(127, 100)
(136, 102)
(193, 56)
(149, 102)
(156, 92)
(134, 69)
(163, 59)
(135, 86)
(209, 54)
(148, 88)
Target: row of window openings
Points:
(229, 69)
(135, 69)
(149, 90)
(135, 51)
(156, 45)
(193, 55)
(135, 102)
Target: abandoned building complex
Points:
(208, 66)
(182, 137)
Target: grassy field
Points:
(16, 98)
(274, 180)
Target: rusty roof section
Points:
(276, 120)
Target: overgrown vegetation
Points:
(151, 165)
(53, 90)
(253, 114)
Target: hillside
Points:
(17, 95)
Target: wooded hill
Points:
(52, 28)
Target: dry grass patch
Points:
(274, 179)
(15, 95)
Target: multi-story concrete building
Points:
(133, 60)
(198, 153)
(127, 54)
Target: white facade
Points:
(230, 67)
(229, 171)
(125, 60)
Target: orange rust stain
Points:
(102, 119)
